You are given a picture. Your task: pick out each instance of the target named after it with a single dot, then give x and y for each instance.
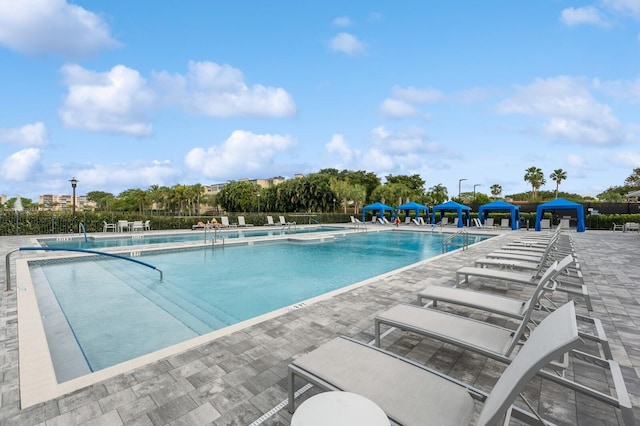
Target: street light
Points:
(258, 195)
(474, 191)
(460, 187)
(74, 183)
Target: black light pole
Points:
(460, 187)
(74, 183)
(474, 191)
(258, 195)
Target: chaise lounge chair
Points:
(270, 221)
(224, 221)
(411, 394)
(241, 222)
(512, 307)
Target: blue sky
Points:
(129, 94)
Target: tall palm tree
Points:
(558, 176)
(496, 190)
(535, 177)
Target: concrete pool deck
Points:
(240, 378)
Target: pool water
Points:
(118, 311)
(135, 239)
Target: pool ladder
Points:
(463, 241)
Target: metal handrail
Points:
(117, 256)
(465, 240)
(83, 230)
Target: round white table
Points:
(339, 409)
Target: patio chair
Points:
(488, 223)
(224, 222)
(564, 224)
(631, 226)
(374, 219)
(504, 223)
(123, 225)
(242, 222)
(147, 225)
(108, 226)
(425, 395)
(513, 307)
(545, 224)
(137, 225)
(407, 220)
(270, 221)
(617, 227)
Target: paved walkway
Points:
(240, 379)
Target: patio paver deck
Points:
(236, 379)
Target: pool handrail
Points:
(101, 253)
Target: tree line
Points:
(329, 190)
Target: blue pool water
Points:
(143, 239)
(118, 311)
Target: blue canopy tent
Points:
(499, 205)
(412, 205)
(452, 206)
(376, 206)
(561, 204)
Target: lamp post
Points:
(460, 187)
(474, 191)
(334, 205)
(258, 195)
(74, 183)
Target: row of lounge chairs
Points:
(412, 394)
(224, 223)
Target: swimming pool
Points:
(135, 239)
(99, 313)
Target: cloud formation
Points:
(583, 15)
(20, 165)
(52, 27)
(242, 154)
(114, 101)
(137, 174)
(347, 43)
(28, 135)
(570, 112)
(220, 91)
(404, 102)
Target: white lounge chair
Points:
(147, 225)
(500, 274)
(374, 219)
(426, 396)
(488, 223)
(545, 224)
(108, 226)
(407, 220)
(564, 224)
(224, 221)
(617, 227)
(242, 222)
(270, 221)
(137, 225)
(504, 223)
(512, 307)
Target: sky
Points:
(125, 95)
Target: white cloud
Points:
(628, 90)
(29, 135)
(52, 27)
(571, 113)
(113, 101)
(347, 43)
(20, 165)
(403, 101)
(417, 96)
(342, 21)
(242, 154)
(627, 158)
(583, 15)
(624, 7)
(338, 145)
(220, 91)
(137, 174)
(399, 109)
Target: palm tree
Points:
(496, 190)
(535, 177)
(558, 176)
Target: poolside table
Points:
(339, 409)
